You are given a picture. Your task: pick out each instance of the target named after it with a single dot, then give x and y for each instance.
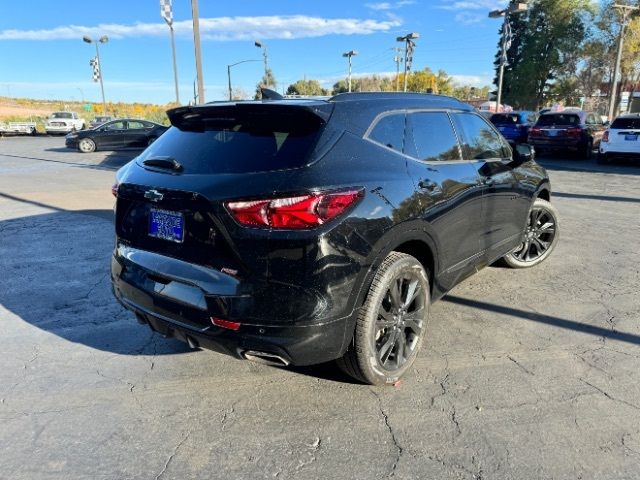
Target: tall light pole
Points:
(348, 55)
(102, 39)
(229, 74)
(626, 12)
(198, 54)
(514, 7)
(166, 12)
(265, 55)
(409, 46)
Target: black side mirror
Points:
(523, 153)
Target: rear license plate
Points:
(553, 133)
(631, 138)
(166, 225)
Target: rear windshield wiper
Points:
(163, 162)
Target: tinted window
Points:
(433, 137)
(505, 118)
(480, 141)
(549, 120)
(114, 126)
(241, 144)
(61, 115)
(137, 125)
(389, 131)
(624, 123)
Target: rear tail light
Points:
(535, 131)
(605, 137)
(293, 213)
(574, 132)
(114, 189)
(229, 325)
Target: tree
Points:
(307, 88)
(267, 81)
(546, 46)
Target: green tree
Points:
(307, 88)
(547, 46)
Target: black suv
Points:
(302, 231)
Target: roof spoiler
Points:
(268, 94)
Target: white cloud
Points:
(473, 80)
(469, 18)
(219, 28)
(474, 5)
(389, 5)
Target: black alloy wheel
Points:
(540, 236)
(392, 323)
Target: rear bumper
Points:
(556, 144)
(53, 129)
(178, 299)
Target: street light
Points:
(265, 55)
(514, 8)
(348, 55)
(410, 45)
(166, 12)
(229, 74)
(102, 39)
(198, 53)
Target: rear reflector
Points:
(114, 190)
(293, 213)
(218, 322)
(605, 137)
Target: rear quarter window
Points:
(389, 131)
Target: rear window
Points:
(558, 119)
(242, 144)
(505, 119)
(626, 123)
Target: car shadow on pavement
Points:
(546, 319)
(589, 166)
(55, 277)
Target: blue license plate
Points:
(166, 225)
(631, 138)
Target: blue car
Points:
(514, 126)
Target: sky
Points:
(42, 54)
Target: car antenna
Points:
(268, 94)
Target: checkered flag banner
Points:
(508, 40)
(166, 11)
(95, 65)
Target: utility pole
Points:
(196, 41)
(398, 59)
(514, 7)
(626, 12)
(348, 55)
(166, 11)
(265, 55)
(409, 47)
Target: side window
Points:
(389, 131)
(136, 125)
(114, 126)
(432, 137)
(479, 140)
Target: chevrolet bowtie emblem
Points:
(153, 195)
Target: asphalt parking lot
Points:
(524, 375)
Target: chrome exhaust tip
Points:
(265, 358)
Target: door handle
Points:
(427, 185)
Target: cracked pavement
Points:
(524, 374)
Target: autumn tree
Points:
(307, 88)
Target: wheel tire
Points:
(86, 145)
(518, 258)
(363, 360)
(586, 151)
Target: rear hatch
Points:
(624, 135)
(557, 126)
(508, 124)
(171, 199)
